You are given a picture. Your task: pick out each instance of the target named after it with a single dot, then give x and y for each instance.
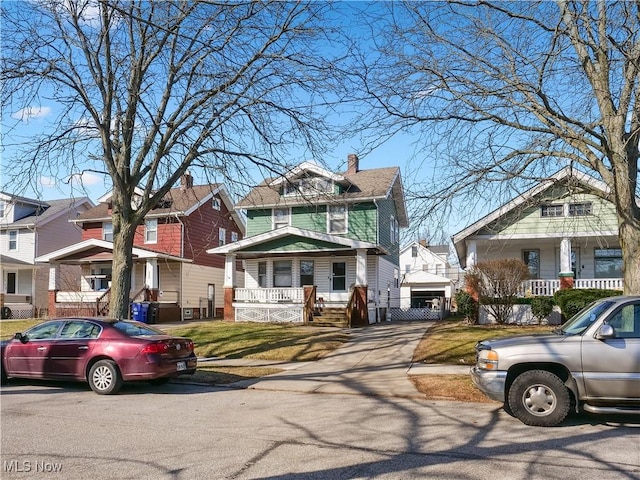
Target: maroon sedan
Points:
(103, 352)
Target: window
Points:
(13, 240)
(282, 273)
(580, 209)
(306, 272)
(608, 262)
(2, 208)
(556, 210)
(414, 251)
(262, 274)
(100, 279)
(151, 231)
(79, 329)
(215, 203)
(337, 218)
(309, 186)
(280, 218)
(107, 231)
(44, 331)
(626, 322)
(234, 237)
(531, 258)
(222, 236)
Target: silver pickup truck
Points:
(592, 362)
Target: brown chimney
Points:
(353, 163)
(186, 181)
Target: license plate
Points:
(181, 366)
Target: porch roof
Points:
(93, 250)
(10, 262)
(291, 241)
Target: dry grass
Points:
(448, 387)
(225, 375)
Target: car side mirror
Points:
(22, 337)
(606, 331)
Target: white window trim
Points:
(222, 236)
(346, 219)
(148, 230)
(234, 237)
(104, 232)
(273, 217)
(17, 235)
(215, 203)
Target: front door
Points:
(338, 277)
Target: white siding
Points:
(195, 281)
(388, 283)
(25, 246)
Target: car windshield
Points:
(585, 318)
(136, 329)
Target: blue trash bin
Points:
(136, 312)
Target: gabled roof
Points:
(50, 210)
(178, 201)
(563, 176)
(436, 249)
(421, 276)
(9, 197)
(331, 242)
(371, 184)
(94, 249)
(308, 167)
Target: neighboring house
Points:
(566, 236)
(320, 247)
(428, 281)
(171, 268)
(29, 228)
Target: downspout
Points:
(181, 265)
(377, 285)
(33, 270)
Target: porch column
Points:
(566, 273)
(472, 253)
(361, 267)
(229, 286)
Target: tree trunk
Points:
(630, 242)
(122, 267)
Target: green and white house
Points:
(567, 235)
(321, 247)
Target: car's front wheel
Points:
(539, 398)
(104, 377)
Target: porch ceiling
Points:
(245, 255)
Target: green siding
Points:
(310, 217)
(362, 222)
(528, 220)
(258, 221)
(387, 209)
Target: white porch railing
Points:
(269, 295)
(546, 288)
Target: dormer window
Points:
(309, 186)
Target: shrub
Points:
(497, 283)
(541, 307)
(572, 300)
(467, 306)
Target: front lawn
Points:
(453, 341)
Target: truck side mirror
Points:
(606, 331)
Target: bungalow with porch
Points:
(173, 277)
(321, 247)
(565, 233)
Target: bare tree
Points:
(146, 90)
(497, 283)
(503, 94)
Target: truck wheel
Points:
(539, 398)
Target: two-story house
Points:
(171, 268)
(29, 228)
(428, 281)
(563, 232)
(319, 242)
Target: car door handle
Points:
(42, 349)
(83, 347)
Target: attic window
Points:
(215, 203)
(309, 186)
(580, 209)
(556, 210)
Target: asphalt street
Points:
(182, 431)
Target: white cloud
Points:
(28, 113)
(47, 182)
(85, 179)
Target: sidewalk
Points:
(375, 361)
